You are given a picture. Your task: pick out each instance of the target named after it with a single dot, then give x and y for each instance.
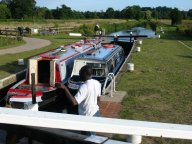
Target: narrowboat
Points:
(104, 60)
(48, 68)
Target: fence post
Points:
(33, 89)
(134, 139)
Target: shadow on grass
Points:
(185, 56)
(170, 35)
(11, 68)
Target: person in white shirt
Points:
(88, 95)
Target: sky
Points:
(98, 5)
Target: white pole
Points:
(134, 139)
(75, 34)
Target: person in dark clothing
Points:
(97, 29)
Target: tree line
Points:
(27, 9)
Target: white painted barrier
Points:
(130, 67)
(138, 49)
(75, 34)
(140, 42)
(34, 31)
(97, 124)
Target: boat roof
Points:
(100, 54)
(63, 53)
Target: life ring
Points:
(108, 45)
(77, 45)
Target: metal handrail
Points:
(111, 77)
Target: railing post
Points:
(33, 89)
(112, 86)
(134, 139)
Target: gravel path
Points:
(31, 44)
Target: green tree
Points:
(65, 12)
(176, 17)
(22, 8)
(5, 1)
(142, 15)
(189, 13)
(78, 15)
(148, 15)
(48, 14)
(4, 12)
(89, 14)
(133, 12)
(162, 12)
(40, 12)
(110, 13)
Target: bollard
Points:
(130, 67)
(138, 49)
(134, 139)
(140, 42)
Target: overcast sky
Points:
(98, 5)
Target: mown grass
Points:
(8, 62)
(53, 22)
(188, 43)
(9, 42)
(160, 88)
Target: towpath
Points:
(31, 44)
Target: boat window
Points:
(68, 70)
(121, 53)
(110, 66)
(63, 71)
(97, 68)
(117, 59)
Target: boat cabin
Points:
(104, 60)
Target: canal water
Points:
(135, 31)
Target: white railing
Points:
(98, 124)
(110, 77)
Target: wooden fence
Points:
(54, 30)
(9, 32)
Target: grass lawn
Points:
(160, 88)
(9, 42)
(188, 43)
